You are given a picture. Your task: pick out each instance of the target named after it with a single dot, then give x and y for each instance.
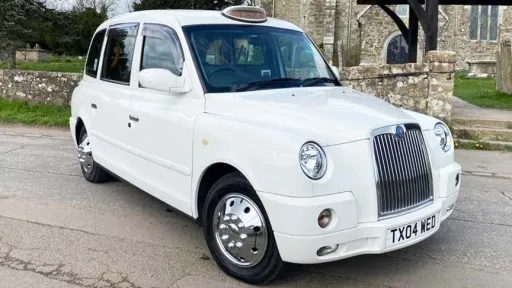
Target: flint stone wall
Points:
(38, 87)
(422, 87)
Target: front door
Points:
(162, 123)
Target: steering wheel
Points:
(220, 69)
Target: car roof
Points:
(191, 17)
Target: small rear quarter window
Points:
(93, 59)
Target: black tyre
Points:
(238, 232)
(92, 171)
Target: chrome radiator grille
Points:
(403, 172)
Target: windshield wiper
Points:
(317, 80)
(265, 83)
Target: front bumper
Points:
(366, 238)
(298, 236)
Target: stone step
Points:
(477, 123)
(483, 145)
(482, 134)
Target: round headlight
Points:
(313, 161)
(443, 136)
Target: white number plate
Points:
(411, 231)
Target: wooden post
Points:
(413, 36)
(432, 25)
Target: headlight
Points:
(443, 136)
(313, 161)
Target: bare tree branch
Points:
(103, 6)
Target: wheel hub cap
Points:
(85, 154)
(240, 230)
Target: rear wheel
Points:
(238, 233)
(92, 171)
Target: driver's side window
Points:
(161, 49)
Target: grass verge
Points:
(54, 64)
(18, 111)
(481, 92)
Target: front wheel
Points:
(238, 232)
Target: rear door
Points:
(84, 99)
(113, 99)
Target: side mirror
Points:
(163, 80)
(336, 71)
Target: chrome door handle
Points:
(134, 118)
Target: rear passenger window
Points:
(161, 49)
(93, 60)
(117, 61)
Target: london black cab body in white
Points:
(237, 120)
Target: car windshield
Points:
(244, 57)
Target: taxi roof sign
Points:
(246, 14)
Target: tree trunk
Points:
(11, 59)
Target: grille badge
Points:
(400, 131)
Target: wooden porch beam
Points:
(413, 37)
(416, 7)
(398, 21)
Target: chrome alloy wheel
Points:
(240, 230)
(85, 154)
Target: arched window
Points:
(397, 50)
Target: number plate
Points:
(411, 231)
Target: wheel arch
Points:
(78, 127)
(208, 177)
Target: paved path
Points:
(57, 230)
(463, 109)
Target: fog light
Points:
(450, 208)
(457, 179)
(324, 219)
(327, 250)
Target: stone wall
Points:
(38, 87)
(307, 14)
(423, 87)
(374, 40)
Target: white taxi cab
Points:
(238, 121)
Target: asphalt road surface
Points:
(57, 230)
